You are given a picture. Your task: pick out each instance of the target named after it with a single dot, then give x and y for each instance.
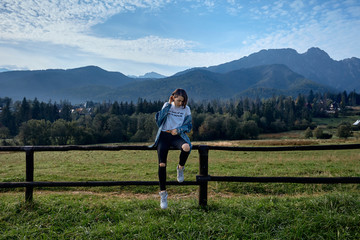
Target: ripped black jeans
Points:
(167, 140)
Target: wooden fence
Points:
(201, 180)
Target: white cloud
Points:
(68, 25)
(338, 38)
(234, 7)
(297, 5)
(39, 27)
(209, 4)
(20, 19)
(330, 25)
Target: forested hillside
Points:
(38, 123)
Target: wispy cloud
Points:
(68, 23)
(46, 31)
(331, 25)
(46, 20)
(234, 7)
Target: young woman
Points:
(174, 121)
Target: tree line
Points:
(31, 122)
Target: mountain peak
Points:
(149, 75)
(278, 51)
(317, 52)
(152, 75)
(87, 68)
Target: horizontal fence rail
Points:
(195, 147)
(90, 184)
(288, 148)
(316, 180)
(201, 180)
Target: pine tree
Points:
(35, 110)
(7, 119)
(24, 111)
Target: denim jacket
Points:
(160, 119)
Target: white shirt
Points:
(175, 117)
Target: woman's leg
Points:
(182, 145)
(162, 150)
(185, 152)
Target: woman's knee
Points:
(186, 147)
(162, 164)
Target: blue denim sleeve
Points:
(162, 114)
(187, 125)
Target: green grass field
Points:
(234, 211)
(334, 122)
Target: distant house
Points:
(357, 123)
(82, 110)
(333, 108)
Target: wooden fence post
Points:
(29, 174)
(203, 169)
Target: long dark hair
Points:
(181, 92)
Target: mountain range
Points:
(262, 74)
(315, 64)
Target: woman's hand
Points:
(171, 99)
(173, 132)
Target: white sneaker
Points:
(163, 199)
(180, 174)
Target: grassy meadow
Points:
(234, 211)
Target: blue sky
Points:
(165, 36)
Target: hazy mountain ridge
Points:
(315, 64)
(55, 83)
(203, 84)
(260, 74)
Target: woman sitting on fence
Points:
(173, 120)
